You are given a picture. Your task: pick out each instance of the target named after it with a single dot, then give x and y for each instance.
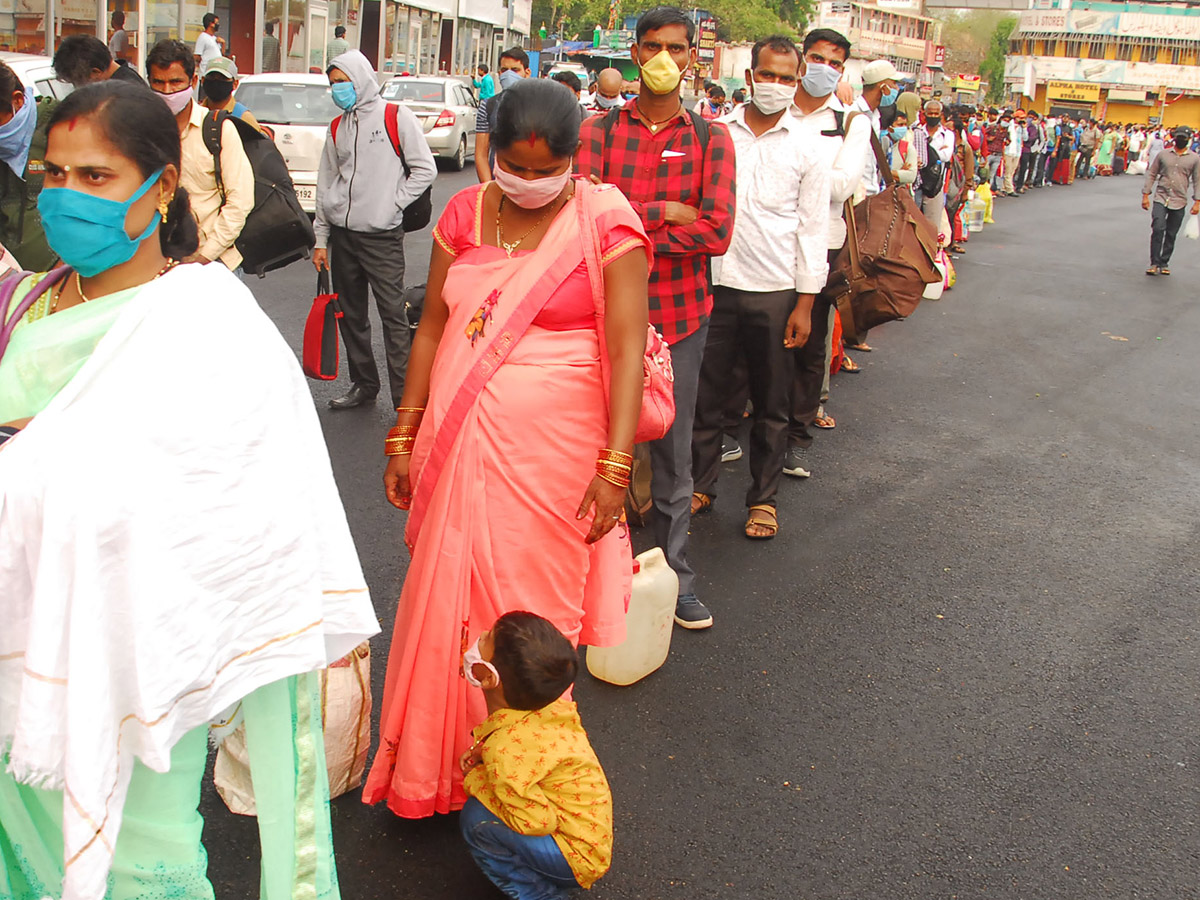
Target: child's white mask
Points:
(471, 658)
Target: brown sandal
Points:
(701, 503)
(762, 521)
(824, 421)
(849, 365)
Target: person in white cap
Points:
(879, 89)
(219, 77)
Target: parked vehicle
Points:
(446, 110)
(37, 72)
(296, 110)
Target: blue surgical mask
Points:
(509, 77)
(87, 231)
(819, 80)
(898, 132)
(609, 102)
(344, 95)
(889, 98)
(17, 134)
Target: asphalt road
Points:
(967, 668)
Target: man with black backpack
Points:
(375, 174)
(220, 206)
(931, 178)
(678, 172)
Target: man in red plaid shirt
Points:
(678, 172)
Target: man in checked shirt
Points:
(678, 172)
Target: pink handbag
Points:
(658, 378)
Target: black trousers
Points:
(809, 371)
(1084, 165)
(1024, 172)
(1164, 227)
(360, 260)
(752, 323)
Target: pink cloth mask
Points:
(177, 101)
(530, 194)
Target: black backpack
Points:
(933, 176)
(277, 231)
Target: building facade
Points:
(421, 37)
(1121, 62)
(895, 30)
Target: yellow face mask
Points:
(661, 75)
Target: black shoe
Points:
(356, 396)
(793, 463)
(691, 613)
(731, 450)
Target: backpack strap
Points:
(211, 132)
(885, 171)
(703, 132)
(839, 127)
(391, 123)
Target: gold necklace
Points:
(84, 298)
(510, 247)
(654, 126)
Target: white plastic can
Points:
(648, 624)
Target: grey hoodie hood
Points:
(358, 69)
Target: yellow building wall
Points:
(1185, 111)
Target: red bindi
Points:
(532, 139)
(71, 123)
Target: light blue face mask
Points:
(88, 232)
(898, 132)
(509, 77)
(17, 134)
(889, 98)
(609, 102)
(344, 95)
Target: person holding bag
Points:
(185, 582)
(512, 443)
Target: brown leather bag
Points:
(888, 259)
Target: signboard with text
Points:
(1076, 91)
(706, 40)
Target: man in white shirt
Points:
(220, 214)
(764, 286)
(844, 148)
(208, 44)
(879, 89)
(1013, 147)
(931, 181)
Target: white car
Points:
(296, 110)
(446, 110)
(37, 72)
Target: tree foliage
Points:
(967, 36)
(737, 20)
(992, 67)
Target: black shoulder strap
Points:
(610, 122)
(211, 132)
(702, 130)
(839, 126)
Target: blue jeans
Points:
(523, 867)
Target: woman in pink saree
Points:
(514, 400)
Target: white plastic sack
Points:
(1192, 228)
(1137, 167)
(346, 717)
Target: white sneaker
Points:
(731, 450)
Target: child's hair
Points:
(535, 661)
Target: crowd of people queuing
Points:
(518, 403)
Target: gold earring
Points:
(163, 206)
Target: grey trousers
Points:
(671, 461)
(359, 260)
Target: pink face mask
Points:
(178, 101)
(530, 194)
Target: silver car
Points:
(446, 110)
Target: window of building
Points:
(1124, 50)
(1096, 50)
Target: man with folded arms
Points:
(765, 284)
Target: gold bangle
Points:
(616, 456)
(621, 484)
(410, 409)
(614, 468)
(405, 452)
(403, 431)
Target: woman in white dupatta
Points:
(174, 551)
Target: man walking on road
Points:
(514, 65)
(361, 195)
(764, 286)
(1174, 170)
(678, 172)
(171, 72)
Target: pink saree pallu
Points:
(507, 448)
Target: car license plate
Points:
(306, 192)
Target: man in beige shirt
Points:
(171, 73)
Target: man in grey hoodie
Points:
(361, 196)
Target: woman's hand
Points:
(395, 481)
(609, 501)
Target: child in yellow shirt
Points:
(539, 819)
